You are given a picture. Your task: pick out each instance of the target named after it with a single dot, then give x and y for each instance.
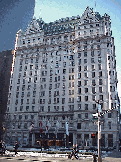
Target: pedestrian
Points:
(4, 147)
(1, 148)
(16, 147)
(94, 158)
(73, 152)
(76, 151)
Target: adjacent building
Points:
(61, 69)
(6, 58)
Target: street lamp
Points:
(97, 117)
(67, 134)
(99, 134)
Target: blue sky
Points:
(56, 9)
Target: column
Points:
(33, 139)
(106, 140)
(90, 140)
(74, 138)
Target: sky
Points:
(14, 15)
(53, 10)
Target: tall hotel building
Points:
(60, 69)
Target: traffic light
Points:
(93, 135)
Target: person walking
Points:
(73, 152)
(1, 147)
(76, 151)
(16, 147)
(4, 147)
(94, 158)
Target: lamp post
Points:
(67, 135)
(99, 130)
(99, 138)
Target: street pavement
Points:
(32, 156)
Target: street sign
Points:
(95, 117)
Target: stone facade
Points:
(60, 69)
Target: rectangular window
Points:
(109, 115)
(99, 66)
(18, 81)
(63, 100)
(79, 55)
(109, 125)
(79, 68)
(79, 106)
(93, 67)
(93, 82)
(93, 74)
(93, 90)
(64, 64)
(48, 108)
(93, 97)
(62, 108)
(86, 106)
(64, 71)
(85, 54)
(79, 116)
(94, 106)
(78, 125)
(92, 60)
(92, 53)
(49, 101)
(99, 53)
(79, 99)
(79, 90)
(79, 75)
(17, 88)
(31, 67)
(86, 90)
(100, 89)
(33, 107)
(99, 59)
(85, 68)
(100, 73)
(85, 82)
(79, 83)
(100, 82)
(21, 108)
(33, 102)
(22, 101)
(85, 61)
(86, 98)
(79, 62)
(86, 115)
(101, 97)
(20, 69)
(27, 108)
(85, 74)
(58, 78)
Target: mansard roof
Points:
(64, 24)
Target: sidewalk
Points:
(113, 156)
